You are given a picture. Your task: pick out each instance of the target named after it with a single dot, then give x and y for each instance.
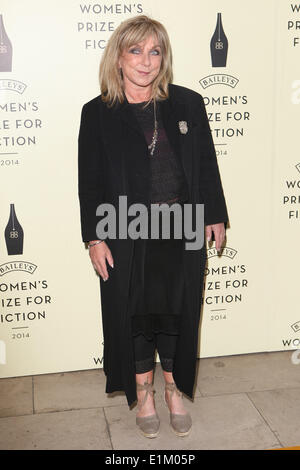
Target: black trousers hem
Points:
(145, 348)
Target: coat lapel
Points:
(173, 112)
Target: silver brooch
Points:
(183, 127)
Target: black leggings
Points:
(144, 350)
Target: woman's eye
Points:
(135, 50)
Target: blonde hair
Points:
(129, 33)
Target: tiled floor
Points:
(241, 402)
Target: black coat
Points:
(113, 161)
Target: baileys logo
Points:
(219, 53)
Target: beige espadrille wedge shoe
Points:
(148, 425)
(181, 424)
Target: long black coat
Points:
(113, 161)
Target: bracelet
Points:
(96, 243)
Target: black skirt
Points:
(156, 295)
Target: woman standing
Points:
(148, 140)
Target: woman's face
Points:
(141, 63)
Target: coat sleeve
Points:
(91, 172)
(215, 210)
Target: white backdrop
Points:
(50, 314)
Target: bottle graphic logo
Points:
(219, 45)
(14, 235)
(5, 49)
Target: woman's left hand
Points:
(219, 234)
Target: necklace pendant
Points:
(152, 146)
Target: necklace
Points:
(152, 146)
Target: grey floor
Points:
(242, 402)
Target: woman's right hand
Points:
(99, 254)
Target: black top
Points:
(167, 177)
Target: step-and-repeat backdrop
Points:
(243, 57)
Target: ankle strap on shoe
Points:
(171, 387)
(149, 390)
